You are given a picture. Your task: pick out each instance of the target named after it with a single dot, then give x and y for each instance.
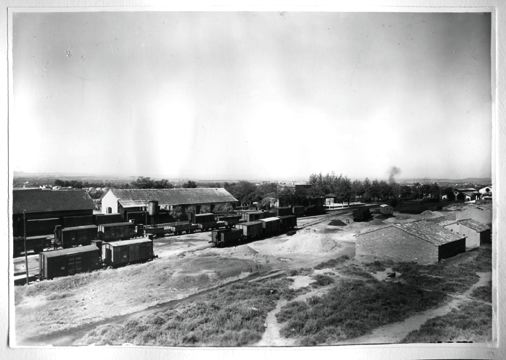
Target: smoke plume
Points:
(394, 170)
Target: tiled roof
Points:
(430, 232)
(424, 230)
(182, 196)
(36, 201)
(475, 225)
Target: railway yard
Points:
(304, 287)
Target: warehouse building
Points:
(48, 205)
(475, 232)
(127, 200)
(422, 242)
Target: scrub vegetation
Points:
(471, 322)
(229, 316)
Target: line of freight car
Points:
(253, 230)
(87, 258)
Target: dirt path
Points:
(395, 332)
(272, 336)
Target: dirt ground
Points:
(62, 310)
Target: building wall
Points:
(451, 249)
(110, 200)
(472, 237)
(395, 244)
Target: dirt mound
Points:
(376, 222)
(309, 243)
(337, 222)
(244, 250)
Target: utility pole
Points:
(24, 241)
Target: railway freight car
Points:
(229, 220)
(271, 226)
(251, 230)
(252, 215)
(178, 227)
(116, 231)
(65, 262)
(37, 227)
(35, 243)
(298, 210)
(72, 221)
(125, 252)
(74, 236)
(205, 221)
(288, 222)
(100, 219)
(226, 237)
(138, 217)
(283, 211)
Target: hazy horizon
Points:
(251, 95)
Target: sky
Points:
(251, 95)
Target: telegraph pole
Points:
(24, 242)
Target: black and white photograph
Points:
(251, 178)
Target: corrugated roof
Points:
(475, 225)
(36, 201)
(180, 196)
(70, 251)
(424, 230)
(128, 242)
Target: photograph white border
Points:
(408, 351)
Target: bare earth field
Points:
(304, 289)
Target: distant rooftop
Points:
(179, 196)
(37, 200)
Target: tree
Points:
(190, 184)
(147, 183)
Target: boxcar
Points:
(226, 237)
(116, 231)
(252, 215)
(73, 236)
(298, 210)
(138, 217)
(125, 252)
(251, 230)
(230, 220)
(71, 221)
(35, 243)
(68, 261)
(100, 219)
(288, 222)
(37, 227)
(283, 211)
(178, 227)
(271, 225)
(205, 221)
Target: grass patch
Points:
(483, 293)
(230, 316)
(471, 322)
(377, 265)
(351, 309)
(332, 263)
(453, 277)
(322, 280)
